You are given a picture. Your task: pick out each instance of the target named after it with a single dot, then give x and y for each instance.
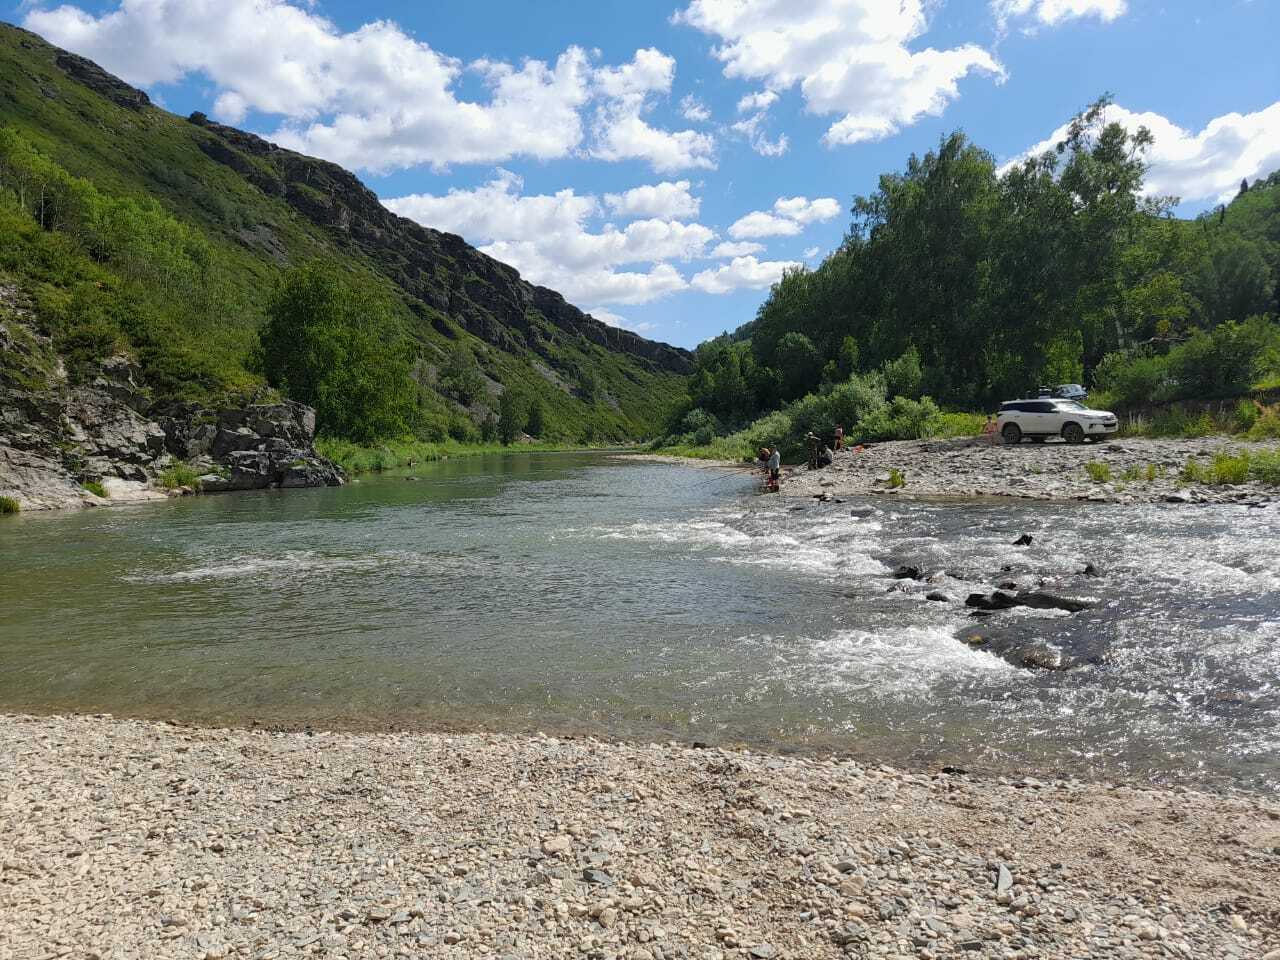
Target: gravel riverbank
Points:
(1140, 471)
(128, 839)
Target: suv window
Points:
(1039, 407)
(1016, 407)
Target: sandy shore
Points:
(1048, 471)
(131, 839)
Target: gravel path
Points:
(130, 839)
(1048, 471)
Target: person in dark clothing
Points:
(813, 445)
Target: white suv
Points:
(1046, 417)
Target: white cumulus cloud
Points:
(1197, 166)
(694, 110)
(622, 133)
(1052, 12)
(614, 320)
(850, 58)
(547, 238)
(741, 272)
(375, 97)
(790, 215)
(668, 200)
(742, 248)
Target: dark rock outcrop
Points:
(257, 446)
(100, 81)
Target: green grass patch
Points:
(395, 454)
(1266, 426)
(896, 478)
(96, 488)
(180, 475)
(8, 505)
(946, 425)
(1228, 470)
(1098, 472)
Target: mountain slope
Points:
(252, 211)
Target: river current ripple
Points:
(582, 592)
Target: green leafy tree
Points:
(332, 343)
(904, 377)
(536, 417)
(511, 416)
(460, 376)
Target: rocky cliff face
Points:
(56, 436)
(440, 270)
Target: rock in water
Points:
(1024, 541)
(907, 572)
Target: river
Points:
(593, 593)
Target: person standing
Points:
(813, 445)
(839, 437)
(775, 468)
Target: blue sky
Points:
(661, 163)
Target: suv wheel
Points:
(1073, 433)
(1012, 433)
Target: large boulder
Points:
(260, 445)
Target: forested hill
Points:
(961, 284)
(177, 240)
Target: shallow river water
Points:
(648, 600)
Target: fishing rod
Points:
(737, 473)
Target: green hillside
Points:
(133, 230)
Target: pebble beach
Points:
(129, 839)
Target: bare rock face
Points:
(110, 438)
(38, 482)
(55, 436)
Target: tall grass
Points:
(180, 475)
(8, 505)
(96, 488)
(1227, 470)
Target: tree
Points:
(799, 364)
(461, 377)
(535, 419)
(511, 416)
(904, 377)
(333, 344)
(489, 428)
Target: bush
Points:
(8, 505)
(896, 478)
(1246, 415)
(1267, 426)
(1264, 467)
(1098, 472)
(96, 488)
(1224, 361)
(1132, 379)
(180, 475)
(957, 425)
(903, 419)
(1224, 470)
